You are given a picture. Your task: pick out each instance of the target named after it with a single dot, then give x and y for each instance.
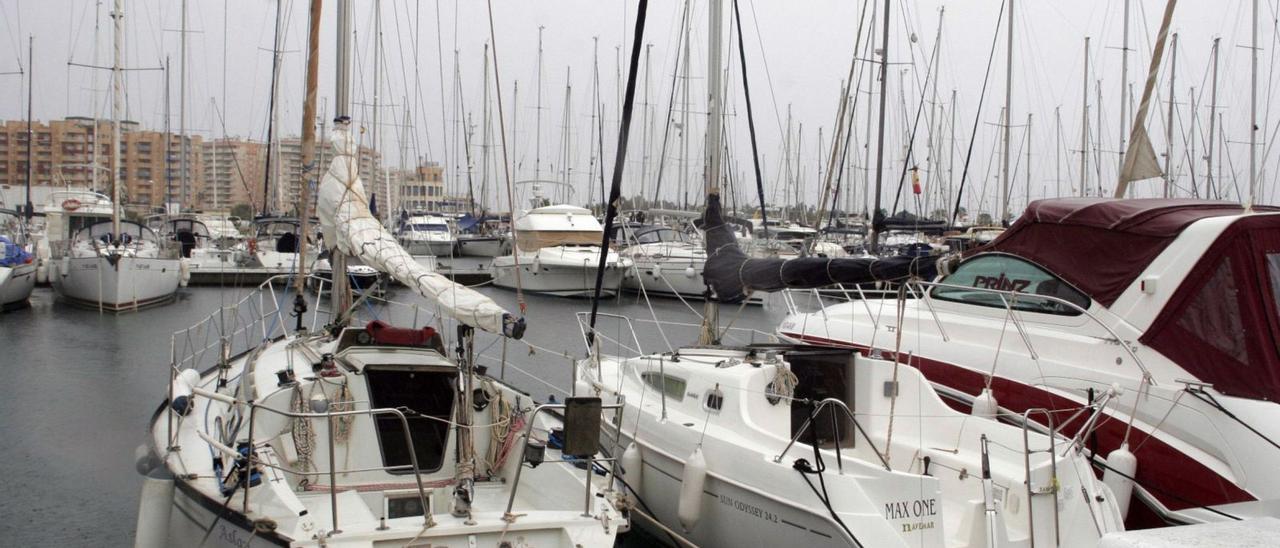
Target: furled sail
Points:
(345, 218)
(1140, 160)
(733, 276)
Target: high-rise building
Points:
(421, 189)
(234, 172)
(290, 174)
(62, 155)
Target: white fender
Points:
(689, 272)
(1125, 462)
(691, 483)
(154, 509)
(42, 272)
(65, 267)
(985, 405)
(633, 467)
(184, 269)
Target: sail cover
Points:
(732, 276)
(347, 223)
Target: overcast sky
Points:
(798, 54)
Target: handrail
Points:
(837, 403)
(328, 415)
(1004, 294)
(1053, 470)
(583, 328)
(528, 431)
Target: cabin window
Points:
(1010, 274)
(430, 396)
(1273, 272)
(1214, 312)
(670, 385)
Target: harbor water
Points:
(81, 386)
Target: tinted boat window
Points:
(430, 395)
(1009, 273)
(1214, 313)
(670, 385)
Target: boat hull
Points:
(130, 284)
(482, 247)
(554, 279)
(16, 284)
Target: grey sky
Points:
(807, 47)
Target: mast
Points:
(182, 116)
(271, 108)
(1084, 123)
(1124, 85)
(1213, 108)
(1168, 154)
(1008, 121)
(1192, 152)
(715, 17)
(117, 105)
(537, 132)
(486, 135)
(1028, 158)
(880, 146)
(31, 76)
(308, 145)
(684, 114)
(868, 213)
(645, 126)
(93, 172)
(377, 64)
(1253, 112)
(341, 295)
(1057, 152)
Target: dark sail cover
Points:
(733, 276)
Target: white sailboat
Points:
(362, 436)
(775, 445)
(113, 265)
(17, 264)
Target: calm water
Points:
(79, 388)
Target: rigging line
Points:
(671, 103)
(444, 118)
(624, 132)
(911, 141)
(751, 120)
(986, 78)
(506, 163)
(842, 130)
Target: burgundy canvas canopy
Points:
(1101, 245)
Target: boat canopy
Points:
(1222, 324)
(557, 225)
(733, 276)
(1101, 245)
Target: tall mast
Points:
(31, 141)
(715, 18)
(1168, 154)
(1008, 121)
(486, 135)
(884, 93)
(1028, 158)
(1192, 152)
(645, 126)
(308, 142)
(1124, 86)
(272, 150)
(377, 64)
(182, 115)
(341, 295)
(868, 214)
(93, 172)
(1253, 112)
(684, 114)
(117, 106)
(1084, 123)
(1057, 152)
(1213, 108)
(537, 131)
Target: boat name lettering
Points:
(1001, 283)
(917, 526)
(232, 537)
(749, 509)
(911, 509)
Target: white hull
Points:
(483, 247)
(16, 284)
(131, 283)
(555, 279)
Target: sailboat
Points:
(114, 265)
(1173, 307)
(362, 435)
(777, 445)
(17, 264)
